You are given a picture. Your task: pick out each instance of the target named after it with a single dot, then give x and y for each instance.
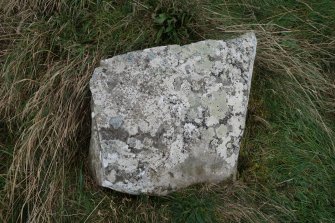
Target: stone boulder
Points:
(168, 117)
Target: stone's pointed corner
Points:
(168, 117)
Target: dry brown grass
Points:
(45, 103)
(51, 120)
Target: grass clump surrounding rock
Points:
(48, 50)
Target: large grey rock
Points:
(167, 117)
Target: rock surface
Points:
(167, 117)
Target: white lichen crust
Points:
(168, 117)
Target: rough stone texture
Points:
(168, 117)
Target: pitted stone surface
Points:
(168, 117)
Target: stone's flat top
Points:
(171, 116)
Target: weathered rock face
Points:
(168, 117)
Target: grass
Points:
(48, 50)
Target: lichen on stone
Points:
(168, 117)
